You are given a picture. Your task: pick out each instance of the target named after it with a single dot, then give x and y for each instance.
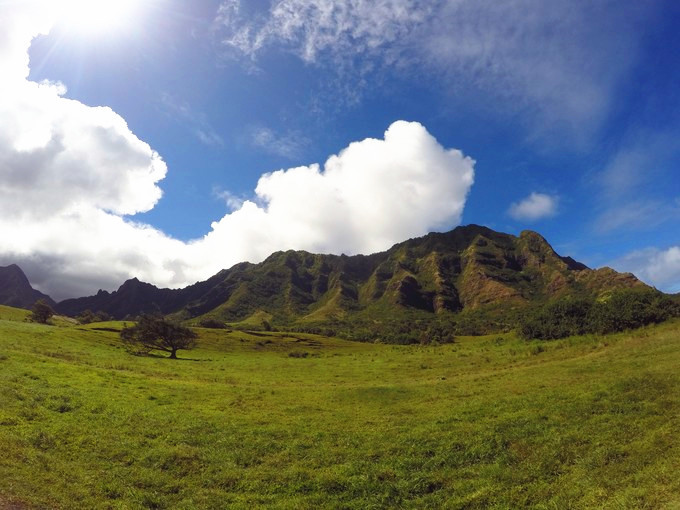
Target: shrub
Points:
(557, 319)
(630, 309)
(437, 332)
(212, 324)
(41, 312)
(298, 354)
(88, 316)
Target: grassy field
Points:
(270, 420)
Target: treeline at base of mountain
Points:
(622, 310)
(567, 316)
(617, 311)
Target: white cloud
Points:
(58, 155)
(638, 182)
(310, 27)
(660, 268)
(372, 194)
(534, 207)
(233, 202)
(558, 63)
(72, 175)
(366, 198)
(639, 214)
(75, 253)
(289, 145)
(641, 160)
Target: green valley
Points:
(293, 420)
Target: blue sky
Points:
(570, 111)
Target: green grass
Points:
(255, 321)
(488, 422)
(8, 313)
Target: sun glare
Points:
(97, 16)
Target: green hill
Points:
(279, 420)
(8, 313)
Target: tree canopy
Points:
(88, 316)
(41, 312)
(153, 332)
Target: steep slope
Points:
(467, 268)
(16, 291)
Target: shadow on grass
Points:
(161, 356)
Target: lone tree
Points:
(153, 332)
(41, 312)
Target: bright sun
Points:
(97, 16)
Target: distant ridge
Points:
(16, 291)
(467, 268)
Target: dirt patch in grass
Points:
(6, 504)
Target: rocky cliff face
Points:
(466, 268)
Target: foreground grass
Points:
(487, 422)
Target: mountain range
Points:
(468, 268)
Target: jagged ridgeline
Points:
(471, 268)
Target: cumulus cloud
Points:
(660, 268)
(556, 62)
(370, 195)
(534, 207)
(60, 155)
(72, 177)
(75, 253)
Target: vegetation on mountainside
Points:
(488, 422)
(619, 311)
(468, 269)
(212, 323)
(403, 331)
(571, 315)
(88, 317)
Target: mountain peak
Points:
(134, 283)
(15, 271)
(531, 234)
(16, 290)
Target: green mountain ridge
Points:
(468, 268)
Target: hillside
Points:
(469, 268)
(276, 420)
(15, 289)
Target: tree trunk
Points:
(173, 354)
